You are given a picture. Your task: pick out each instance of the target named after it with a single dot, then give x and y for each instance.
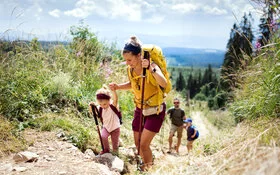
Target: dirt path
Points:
(56, 157)
(200, 124)
(184, 163)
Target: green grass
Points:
(259, 95)
(220, 119)
(10, 139)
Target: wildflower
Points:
(258, 45)
(274, 25)
(108, 72)
(79, 53)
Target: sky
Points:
(167, 23)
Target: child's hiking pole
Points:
(95, 114)
(146, 56)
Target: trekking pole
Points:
(146, 56)
(95, 114)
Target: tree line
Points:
(242, 46)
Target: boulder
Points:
(113, 162)
(26, 156)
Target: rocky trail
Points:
(49, 154)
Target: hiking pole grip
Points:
(95, 114)
(147, 57)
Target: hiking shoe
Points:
(142, 167)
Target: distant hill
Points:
(177, 56)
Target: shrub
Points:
(200, 97)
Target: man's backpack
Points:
(116, 111)
(158, 58)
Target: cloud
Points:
(184, 7)
(127, 10)
(204, 7)
(148, 10)
(77, 12)
(55, 13)
(107, 8)
(155, 19)
(214, 10)
(40, 9)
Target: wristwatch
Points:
(154, 70)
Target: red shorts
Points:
(152, 122)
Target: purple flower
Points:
(108, 72)
(274, 25)
(79, 53)
(258, 46)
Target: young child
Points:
(109, 118)
(192, 133)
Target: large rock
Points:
(26, 156)
(113, 162)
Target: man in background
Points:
(177, 116)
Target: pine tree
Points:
(191, 86)
(199, 78)
(180, 82)
(205, 79)
(238, 45)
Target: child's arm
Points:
(115, 98)
(195, 131)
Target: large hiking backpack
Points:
(116, 111)
(158, 58)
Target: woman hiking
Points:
(153, 107)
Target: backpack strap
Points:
(116, 111)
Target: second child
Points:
(192, 133)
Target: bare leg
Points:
(146, 139)
(178, 144)
(136, 142)
(170, 140)
(179, 137)
(189, 146)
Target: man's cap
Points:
(188, 120)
